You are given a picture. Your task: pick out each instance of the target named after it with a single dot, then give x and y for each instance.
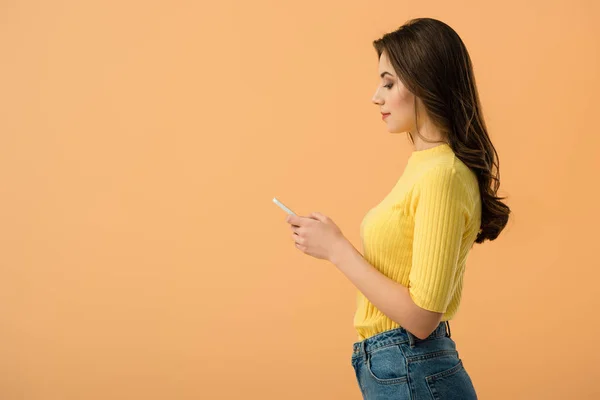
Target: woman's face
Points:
(392, 97)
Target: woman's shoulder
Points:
(450, 172)
(464, 172)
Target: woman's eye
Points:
(389, 86)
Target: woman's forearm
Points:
(387, 295)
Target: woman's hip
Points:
(396, 364)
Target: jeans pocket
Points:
(452, 384)
(387, 365)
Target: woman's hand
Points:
(316, 235)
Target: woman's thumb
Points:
(318, 216)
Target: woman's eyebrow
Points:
(385, 72)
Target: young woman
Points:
(417, 239)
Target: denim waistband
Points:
(398, 336)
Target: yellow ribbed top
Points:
(420, 235)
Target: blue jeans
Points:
(397, 365)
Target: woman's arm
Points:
(389, 296)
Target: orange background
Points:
(142, 142)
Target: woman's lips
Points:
(384, 116)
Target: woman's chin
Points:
(392, 129)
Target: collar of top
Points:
(430, 152)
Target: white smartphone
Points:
(283, 207)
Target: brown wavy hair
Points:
(432, 62)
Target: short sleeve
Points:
(439, 223)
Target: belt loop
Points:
(411, 339)
(448, 328)
(363, 347)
